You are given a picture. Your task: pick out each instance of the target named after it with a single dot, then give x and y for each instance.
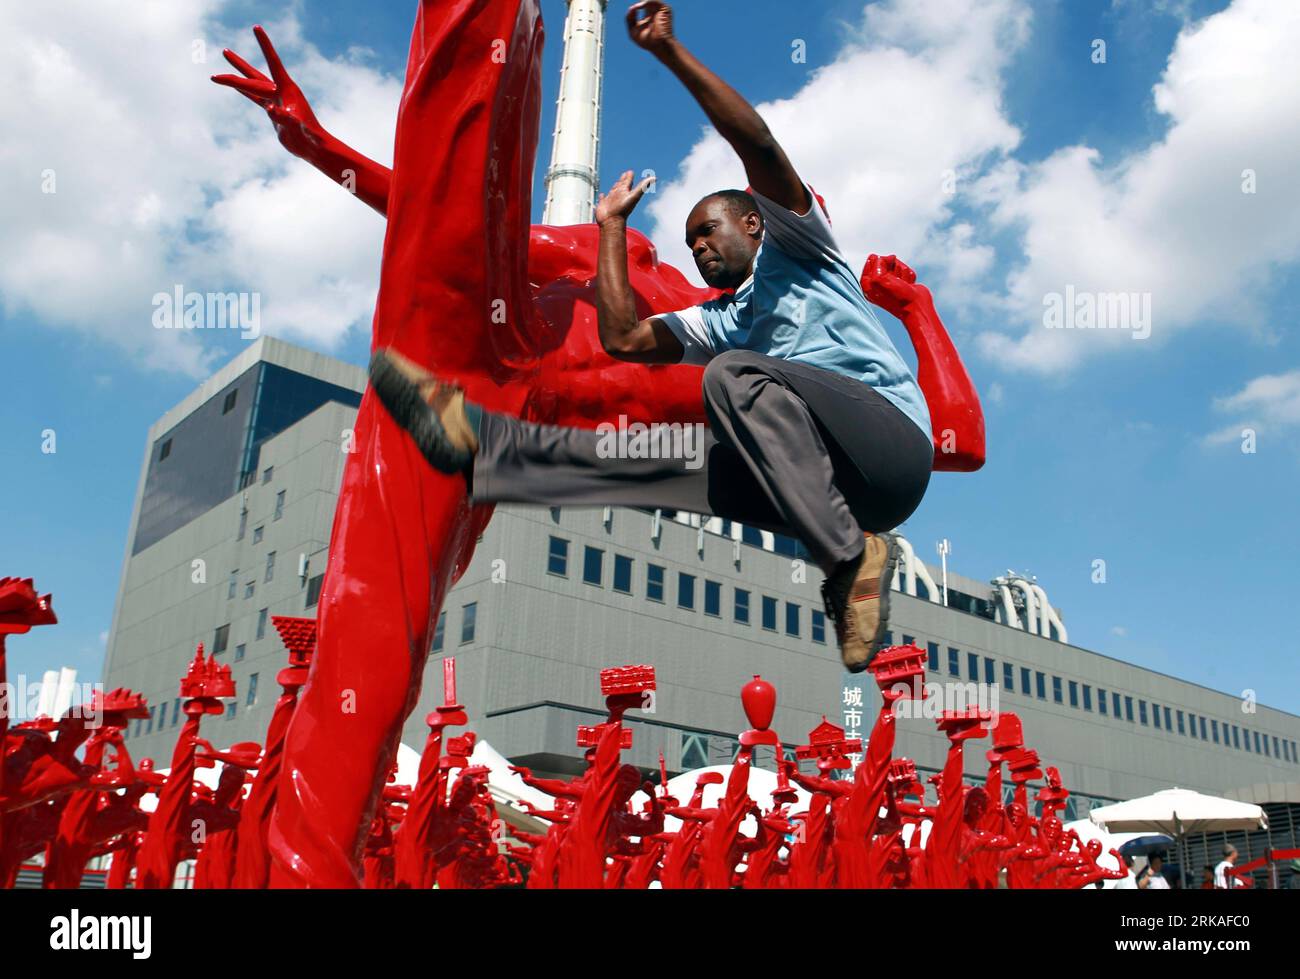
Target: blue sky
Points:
(1122, 451)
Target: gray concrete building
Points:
(231, 526)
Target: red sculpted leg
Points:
(453, 293)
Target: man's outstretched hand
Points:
(656, 30)
(279, 95)
(890, 284)
(622, 198)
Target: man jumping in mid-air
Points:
(818, 427)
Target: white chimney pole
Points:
(572, 180)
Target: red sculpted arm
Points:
(300, 131)
(956, 419)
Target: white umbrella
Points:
(1178, 812)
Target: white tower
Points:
(572, 178)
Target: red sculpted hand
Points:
(891, 285)
(279, 95)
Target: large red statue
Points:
(506, 311)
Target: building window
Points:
(165, 451)
(1236, 738)
(1008, 677)
(557, 557)
(712, 597)
(468, 616)
(818, 626)
(742, 606)
(230, 711)
(313, 590)
(1200, 723)
(1025, 688)
(267, 473)
(1114, 700)
(240, 649)
(908, 640)
(593, 565)
(1155, 714)
(769, 613)
(1257, 751)
(1056, 690)
(257, 534)
(1040, 680)
(176, 711)
(1179, 715)
(990, 671)
(221, 639)
(250, 587)
(654, 582)
(1214, 731)
(954, 661)
(279, 505)
(261, 623)
(685, 590)
(229, 405)
(1074, 694)
(243, 524)
(887, 640)
(439, 632)
(623, 574)
(1142, 711)
(1101, 701)
(252, 690)
(162, 715)
(791, 619)
(932, 656)
(234, 583)
(1128, 708)
(1087, 697)
(270, 566)
(972, 667)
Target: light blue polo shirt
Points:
(803, 302)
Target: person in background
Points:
(1207, 878)
(1293, 884)
(1221, 879)
(1155, 878)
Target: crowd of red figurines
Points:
(607, 828)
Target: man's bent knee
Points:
(723, 369)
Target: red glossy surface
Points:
(467, 287)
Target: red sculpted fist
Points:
(891, 285)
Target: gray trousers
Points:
(791, 448)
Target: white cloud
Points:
(162, 177)
(1267, 403)
(1170, 219)
(923, 80)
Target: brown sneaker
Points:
(857, 601)
(435, 413)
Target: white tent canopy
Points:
(1177, 812)
(507, 787)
